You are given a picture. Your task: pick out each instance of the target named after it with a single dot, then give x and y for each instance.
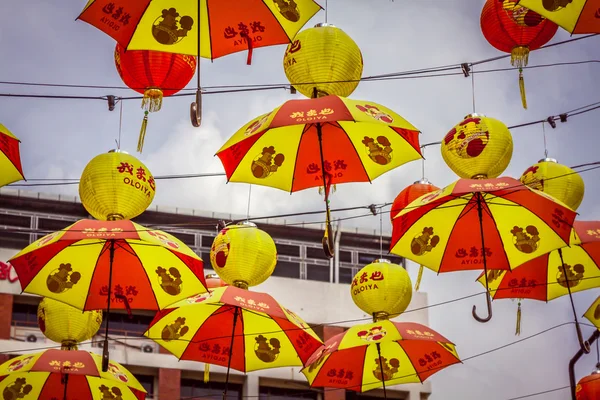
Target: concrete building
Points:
(314, 287)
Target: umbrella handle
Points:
(327, 242)
(489, 307)
(584, 344)
(196, 110)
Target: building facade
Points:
(316, 288)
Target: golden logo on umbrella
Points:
(267, 163)
(597, 312)
(376, 113)
(18, 364)
(390, 368)
(113, 393)
(170, 28)
(570, 276)
(425, 242)
(379, 151)
(256, 125)
(170, 281)
(555, 5)
(494, 274)
(266, 352)
(289, 9)
(526, 240)
(18, 390)
(62, 279)
(117, 373)
(175, 330)
(469, 138)
(374, 334)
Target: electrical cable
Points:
(74, 181)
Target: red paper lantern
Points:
(514, 29)
(155, 74)
(410, 194)
(588, 388)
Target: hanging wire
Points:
(545, 143)
(423, 164)
(380, 232)
(473, 86)
(120, 124)
(326, 8)
(249, 196)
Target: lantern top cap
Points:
(548, 159)
(118, 151)
(474, 115)
(382, 260)
(247, 223)
(324, 24)
(423, 181)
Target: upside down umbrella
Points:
(555, 274)
(319, 142)
(593, 313)
(575, 16)
(474, 224)
(10, 158)
(204, 28)
(234, 328)
(68, 375)
(381, 353)
(141, 268)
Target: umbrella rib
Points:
(304, 130)
(356, 151)
(411, 363)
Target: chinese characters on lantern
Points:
(137, 178)
(366, 282)
(115, 17)
(242, 32)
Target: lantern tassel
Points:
(140, 145)
(418, 282)
(518, 330)
(206, 373)
(519, 56)
(152, 100)
(522, 89)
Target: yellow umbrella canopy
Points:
(575, 16)
(68, 374)
(10, 158)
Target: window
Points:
(207, 240)
(317, 272)
(367, 258)
(288, 250)
(147, 382)
(186, 238)
(16, 220)
(25, 314)
(287, 269)
(345, 256)
(346, 275)
(272, 393)
(13, 240)
(316, 252)
(53, 224)
(192, 388)
(123, 325)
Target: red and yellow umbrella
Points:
(67, 374)
(474, 224)
(554, 274)
(10, 158)
(143, 269)
(319, 142)
(382, 353)
(593, 313)
(575, 16)
(236, 328)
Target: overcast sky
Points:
(40, 41)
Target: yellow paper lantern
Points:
(478, 147)
(325, 58)
(557, 180)
(67, 325)
(382, 289)
(116, 185)
(243, 255)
